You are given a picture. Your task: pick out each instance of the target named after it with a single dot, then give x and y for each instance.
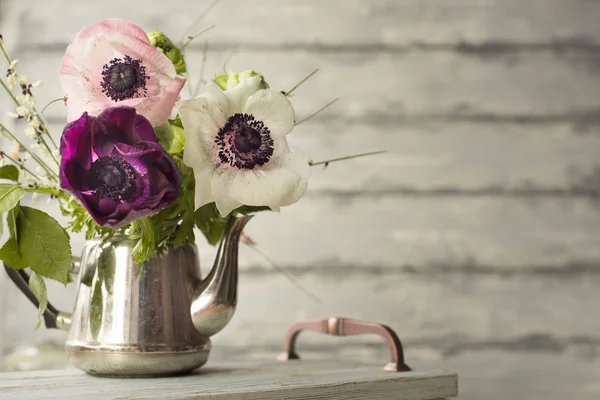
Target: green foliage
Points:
(168, 48)
(38, 287)
(10, 195)
(82, 220)
(44, 244)
(9, 172)
(210, 223)
(171, 137)
(9, 254)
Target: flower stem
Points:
(45, 129)
(42, 190)
(285, 273)
(190, 38)
(289, 92)
(327, 162)
(41, 163)
(12, 96)
(52, 102)
(202, 69)
(197, 21)
(20, 165)
(5, 55)
(318, 111)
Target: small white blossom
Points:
(36, 84)
(27, 99)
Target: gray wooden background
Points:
(476, 237)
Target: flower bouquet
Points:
(137, 160)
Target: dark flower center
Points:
(112, 178)
(123, 78)
(244, 142)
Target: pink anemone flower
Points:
(112, 64)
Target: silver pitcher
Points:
(152, 319)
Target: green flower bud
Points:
(232, 79)
(168, 48)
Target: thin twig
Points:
(202, 68)
(52, 102)
(53, 192)
(200, 17)
(318, 111)
(40, 162)
(326, 162)
(191, 38)
(45, 125)
(233, 53)
(285, 273)
(12, 96)
(5, 55)
(20, 165)
(289, 92)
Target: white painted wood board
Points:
(389, 22)
(387, 86)
(289, 380)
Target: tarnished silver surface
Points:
(154, 319)
(215, 298)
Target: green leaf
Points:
(44, 244)
(245, 210)
(144, 232)
(9, 254)
(210, 223)
(9, 172)
(10, 195)
(38, 287)
(171, 136)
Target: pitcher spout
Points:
(215, 297)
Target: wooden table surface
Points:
(276, 380)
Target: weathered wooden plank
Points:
(452, 313)
(449, 159)
(441, 158)
(397, 232)
(445, 311)
(387, 22)
(293, 381)
(394, 87)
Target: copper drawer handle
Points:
(346, 327)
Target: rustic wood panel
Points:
(459, 159)
(447, 312)
(391, 87)
(398, 232)
(452, 312)
(336, 22)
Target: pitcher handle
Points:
(346, 327)
(53, 319)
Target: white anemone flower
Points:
(236, 144)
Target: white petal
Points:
(280, 184)
(203, 194)
(203, 117)
(221, 182)
(274, 110)
(240, 94)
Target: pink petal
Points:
(111, 26)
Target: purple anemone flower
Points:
(114, 165)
